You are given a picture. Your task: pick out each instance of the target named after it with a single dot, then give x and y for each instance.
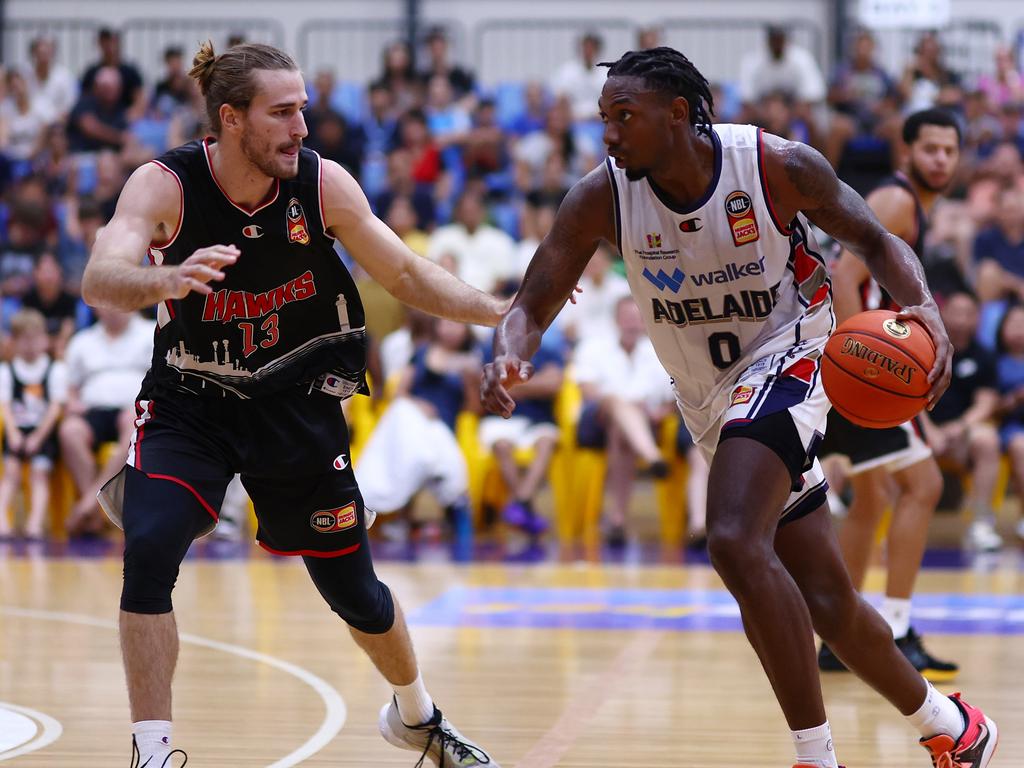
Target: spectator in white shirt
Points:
(593, 315)
(481, 255)
(106, 364)
(581, 79)
(626, 393)
(53, 88)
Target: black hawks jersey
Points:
(287, 312)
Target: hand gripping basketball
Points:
(942, 372)
(499, 377)
(202, 267)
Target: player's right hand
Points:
(202, 267)
(499, 377)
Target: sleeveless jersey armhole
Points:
(762, 172)
(615, 201)
(181, 210)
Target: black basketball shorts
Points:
(291, 450)
(894, 448)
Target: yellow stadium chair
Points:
(670, 491)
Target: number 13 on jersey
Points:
(268, 327)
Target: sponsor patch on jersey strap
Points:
(742, 394)
(298, 232)
(742, 222)
(225, 305)
(334, 520)
(744, 305)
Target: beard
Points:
(920, 179)
(636, 174)
(265, 158)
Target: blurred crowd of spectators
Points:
(471, 177)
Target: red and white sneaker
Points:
(974, 748)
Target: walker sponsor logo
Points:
(731, 272)
(663, 281)
(225, 305)
(745, 305)
(877, 360)
(334, 520)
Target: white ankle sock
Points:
(814, 746)
(153, 738)
(414, 703)
(938, 715)
(896, 613)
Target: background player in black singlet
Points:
(259, 334)
(883, 458)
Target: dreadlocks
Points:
(666, 69)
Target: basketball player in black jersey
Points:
(786, 576)
(260, 333)
(881, 458)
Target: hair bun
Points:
(202, 65)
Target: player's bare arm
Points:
(585, 217)
(411, 279)
(897, 212)
(147, 212)
(800, 179)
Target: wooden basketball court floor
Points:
(576, 665)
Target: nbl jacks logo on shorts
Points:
(334, 520)
(742, 223)
(298, 232)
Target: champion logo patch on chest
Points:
(298, 232)
(742, 222)
(253, 231)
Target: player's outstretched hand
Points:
(499, 377)
(942, 371)
(202, 267)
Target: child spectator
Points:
(33, 388)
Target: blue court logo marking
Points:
(683, 610)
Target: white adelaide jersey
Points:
(722, 284)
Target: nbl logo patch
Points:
(334, 520)
(742, 224)
(298, 232)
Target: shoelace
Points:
(461, 749)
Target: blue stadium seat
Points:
(509, 103)
(506, 217)
(85, 166)
(350, 100)
(152, 133)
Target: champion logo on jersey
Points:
(252, 231)
(690, 225)
(298, 232)
(742, 223)
(662, 280)
(341, 462)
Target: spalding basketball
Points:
(875, 369)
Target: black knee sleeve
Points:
(160, 521)
(350, 587)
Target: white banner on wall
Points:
(901, 14)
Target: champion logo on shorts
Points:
(341, 462)
(334, 520)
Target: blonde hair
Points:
(227, 78)
(25, 321)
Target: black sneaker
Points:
(137, 757)
(828, 661)
(933, 670)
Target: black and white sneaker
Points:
(137, 761)
(436, 740)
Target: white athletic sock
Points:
(814, 747)
(153, 738)
(414, 703)
(938, 715)
(896, 613)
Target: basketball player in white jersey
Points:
(713, 226)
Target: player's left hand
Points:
(942, 371)
(500, 376)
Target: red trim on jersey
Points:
(783, 229)
(189, 488)
(181, 210)
(140, 413)
(242, 208)
(804, 265)
(801, 369)
(320, 193)
(311, 552)
(821, 294)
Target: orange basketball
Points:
(875, 369)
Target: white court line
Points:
(334, 717)
(51, 732)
